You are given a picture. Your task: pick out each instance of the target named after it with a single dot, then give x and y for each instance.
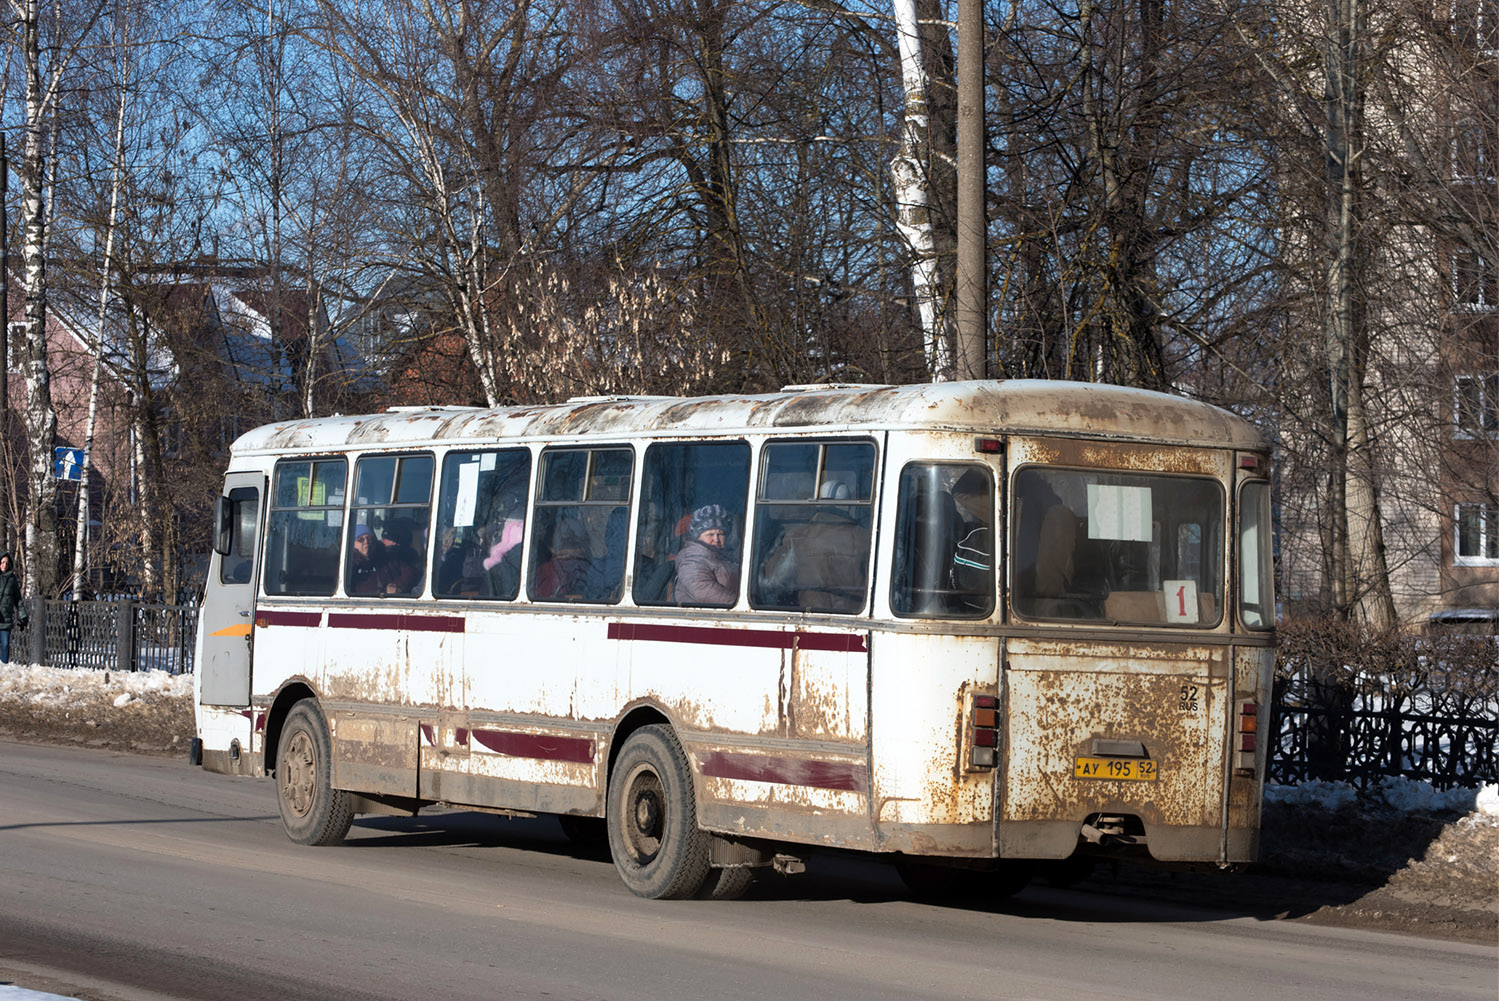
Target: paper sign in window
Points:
(1181, 601)
(468, 495)
(1116, 512)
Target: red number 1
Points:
(1181, 599)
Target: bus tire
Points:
(652, 817)
(726, 884)
(312, 811)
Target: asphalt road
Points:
(137, 879)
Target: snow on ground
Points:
(10, 993)
(61, 687)
(1401, 795)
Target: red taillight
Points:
(988, 445)
(1246, 742)
(983, 731)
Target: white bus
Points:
(975, 627)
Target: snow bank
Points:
(1402, 795)
(62, 688)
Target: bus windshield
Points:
(1134, 548)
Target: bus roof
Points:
(1015, 406)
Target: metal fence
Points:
(1439, 728)
(119, 635)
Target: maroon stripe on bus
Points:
(266, 617)
(394, 620)
(765, 638)
(785, 771)
(536, 745)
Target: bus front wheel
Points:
(312, 811)
(653, 835)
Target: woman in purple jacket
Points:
(706, 573)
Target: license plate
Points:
(1123, 769)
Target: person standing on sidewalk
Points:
(12, 609)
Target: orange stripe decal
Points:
(242, 629)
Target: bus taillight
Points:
(1248, 743)
(983, 730)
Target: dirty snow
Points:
(61, 687)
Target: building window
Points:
(1475, 405)
(1476, 531)
(1475, 281)
(1476, 23)
(1472, 152)
(15, 344)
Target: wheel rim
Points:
(298, 769)
(644, 814)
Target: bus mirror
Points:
(223, 522)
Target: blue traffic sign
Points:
(67, 463)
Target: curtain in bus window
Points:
(388, 528)
(1117, 547)
(944, 542)
(481, 523)
(687, 492)
(581, 526)
(812, 526)
(303, 528)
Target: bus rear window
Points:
(1126, 548)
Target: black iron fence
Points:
(1340, 732)
(122, 635)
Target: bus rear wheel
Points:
(652, 817)
(312, 811)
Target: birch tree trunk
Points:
(80, 545)
(913, 217)
(40, 546)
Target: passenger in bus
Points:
(503, 562)
(606, 573)
(706, 573)
(563, 576)
(402, 573)
(820, 563)
(973, 552)
(367, 561)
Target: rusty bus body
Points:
(1075, 667)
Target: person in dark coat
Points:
(12, 611)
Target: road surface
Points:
(125, 878)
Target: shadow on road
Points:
(1115, 892)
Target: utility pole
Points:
(970, 355)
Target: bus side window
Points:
(812, 527)
(679, 480)
(303, 529)
(580, 530)
(235, 566)
(389, 522)
(944, 564)
(481, 521)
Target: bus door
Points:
(935, 672)
(229, 599)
